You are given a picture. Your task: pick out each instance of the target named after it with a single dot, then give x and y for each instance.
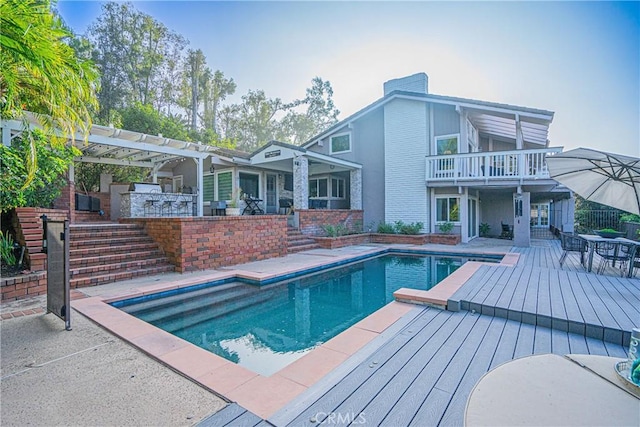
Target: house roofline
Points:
(436, 99)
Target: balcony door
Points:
(539, 214)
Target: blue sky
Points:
(579, 59)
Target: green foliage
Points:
(445, 227)
(399, 227)
(335, 230)
(384, 228)
(484, 229)
(6, 249)
(627, 217)
(412, 228)
(608, 230)
(48, 180)
(42, 74)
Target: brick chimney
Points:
(418, 83)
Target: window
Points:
(318, 187)
(446, 145)
(447, 209)
(225, 185)
(288, 181)
(340, 144)
(250, 184)
(207, 188)
(337, 188)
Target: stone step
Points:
(105, 243)
(92, 227)
(112, 250)
(108, 234)
(123, 266)
(88, 261)
(294, 249)
(101, 279)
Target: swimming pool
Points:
(264, 328)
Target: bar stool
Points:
(167, 206)
(183, 205)
(151, 205)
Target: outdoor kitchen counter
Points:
(136, 204)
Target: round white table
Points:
(551, 390)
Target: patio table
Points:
(592, 239)
(253, 206)
(549, 389)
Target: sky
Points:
(578, 59)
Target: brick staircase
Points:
(105, 253)
(297, 242)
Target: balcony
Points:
(492, 166)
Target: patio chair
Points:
(507, 231)
(635, 262)
(571, 243)
(286, 205)
(611, 252)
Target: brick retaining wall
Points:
(312, 220)
(28, 227)
(26, 285)
(200, 243)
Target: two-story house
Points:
(438, 159)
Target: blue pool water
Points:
(264, 328)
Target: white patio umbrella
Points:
(605, 178)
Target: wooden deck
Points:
(424, 373)
(538, 292)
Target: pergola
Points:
(110, 145)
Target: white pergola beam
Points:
(110, 161)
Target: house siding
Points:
(406, 132)
(446, 120)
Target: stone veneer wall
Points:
(199, 243)
(312, 220)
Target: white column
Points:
(199, 185)
(355, 189)
(300, 182)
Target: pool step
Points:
(179, 311)
(105, 253)
(218, 308)
(147, 310)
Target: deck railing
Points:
(516, 164)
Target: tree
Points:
(41, 73)
(215, 89)
(137, 57)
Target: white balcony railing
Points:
(491, 165)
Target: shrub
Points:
(445, 227)
(335, 230)
(49, 178)
(629, 218)
(6, 249)
(384, 228)
(484, 229)
(413, 228)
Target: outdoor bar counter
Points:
(147, 200)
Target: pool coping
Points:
(262, 395)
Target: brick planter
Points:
(312, 220)
(387, 239)
(406, 239)
(342, 241)
(445, 239)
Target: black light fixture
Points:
(212, 168)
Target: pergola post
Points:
(355, 189)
